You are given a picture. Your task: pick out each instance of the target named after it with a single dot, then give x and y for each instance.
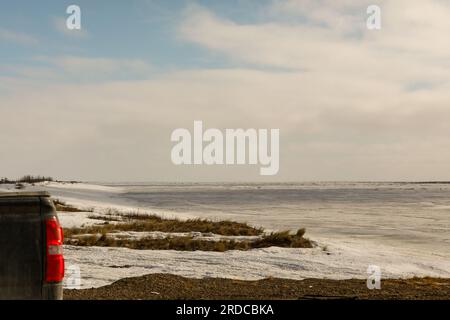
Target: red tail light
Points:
(55, 259)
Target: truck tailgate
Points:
(21, 248)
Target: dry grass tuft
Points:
(149, 223)
(279, 239)
(61, 206)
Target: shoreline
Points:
(172, 287)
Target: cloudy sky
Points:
(100, 104)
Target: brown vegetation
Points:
(279, 239)
(63, 207)
(149, 223)
(103, 234)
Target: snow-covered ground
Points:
(100, 266)
(402, 228)
(77, 219)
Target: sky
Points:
(100, 103)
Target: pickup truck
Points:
(31, 239)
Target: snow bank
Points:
(101, 266)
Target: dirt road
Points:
(165, 286)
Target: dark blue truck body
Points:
(23, 255)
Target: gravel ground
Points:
(168, 287)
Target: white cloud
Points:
(341, 15)
(81, 68)
(17, 37)
(121, 130)
(413, 41)
(83, 65)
